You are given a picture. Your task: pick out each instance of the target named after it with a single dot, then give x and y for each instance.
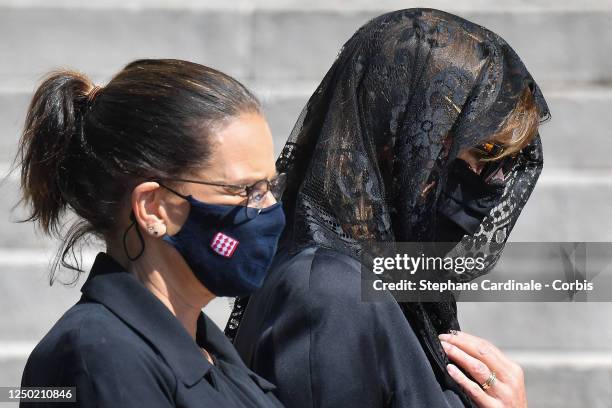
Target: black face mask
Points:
(228, 251)
(467, 198)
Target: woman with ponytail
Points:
(171, 166)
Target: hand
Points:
(480, 358)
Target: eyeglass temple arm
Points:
(171, 189)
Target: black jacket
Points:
(122, 347)
(308, 331)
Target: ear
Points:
(147, 207)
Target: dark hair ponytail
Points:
(53, 130)
(85, 148)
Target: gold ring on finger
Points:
(490, 381)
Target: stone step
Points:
(567, 386)
(567, 209)
(43, 39)
(540, 326)
(10, 375)
(549, 50)
(342, 5)
(562, 208)
(572, 139)
(276, 43)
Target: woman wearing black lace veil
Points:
(424, 129)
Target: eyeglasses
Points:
(490, 149)
(254, 193)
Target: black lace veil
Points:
(370, 152)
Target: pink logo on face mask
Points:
(223, 244)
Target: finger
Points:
(473, 345)
(473, 390)
(480, 349)
(478, 370)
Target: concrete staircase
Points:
(282, 48)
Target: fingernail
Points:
(452, 369)
(444, 336)
(446, 345)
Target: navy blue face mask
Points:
(228, 249)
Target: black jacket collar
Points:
(120, 291)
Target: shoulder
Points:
(316, 263)
(335, 275)
(311, 269)
(88, 324)
(87, 340)
(326, 281)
